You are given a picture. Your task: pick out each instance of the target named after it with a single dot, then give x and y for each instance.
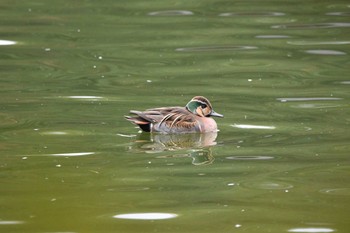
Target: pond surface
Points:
(277, 70)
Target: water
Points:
(278, 71)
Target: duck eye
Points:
(203, 106)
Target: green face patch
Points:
(193, 105)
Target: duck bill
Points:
(216, 114)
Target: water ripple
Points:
(73, 154)
(215, 48)
(269, 185)
(324, 52)
(229, 14)
(311, 229)
(252, 126)
(146, 216)
(10, 222)
(258, 157)
(318, 42)
(308, 99)
(339, 191)
(338, 13)
(272, 36)
(311, 26)
(7, 42)
(171, 13)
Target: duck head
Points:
(201, 106)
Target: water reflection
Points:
(195, 146)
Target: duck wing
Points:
(167, 119)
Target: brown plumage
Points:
(189, 119)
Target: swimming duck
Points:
(194, 117)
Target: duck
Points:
(195, 117)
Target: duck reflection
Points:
(195, 146)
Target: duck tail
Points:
(141, 122)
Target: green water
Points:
(277, 70)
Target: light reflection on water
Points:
(228, 14)
(171, 13)
(146, 216)
(311, 230)
(324, 52)
(73, 154)
(7, 42)
(10, 222)
(311, 26)
(294, 99)
(215, 48)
